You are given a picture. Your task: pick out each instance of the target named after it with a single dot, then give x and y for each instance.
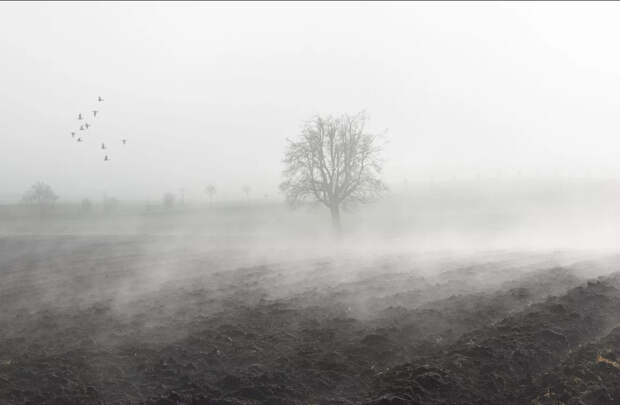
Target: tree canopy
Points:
(334, 161)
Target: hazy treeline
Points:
(491, 214)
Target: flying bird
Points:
(79, 116)
(95, 113)
(100, 99)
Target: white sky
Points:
(209, 92)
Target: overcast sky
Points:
(208, 92)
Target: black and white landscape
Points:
(309, 203)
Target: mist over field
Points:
(309, 203)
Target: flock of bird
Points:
(84, 126)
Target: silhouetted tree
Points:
(334, 162)
(182, 194)
(169, 200)
(210, 190)
(246, 190)
(86, 205)
(40, 195)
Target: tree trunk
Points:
(335, 211)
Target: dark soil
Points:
(77, 327)
(513, 360)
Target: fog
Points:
(207, 93)
(190, 212)
(497, 122)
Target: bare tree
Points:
(334, 162)
(41, 195)
(86, 205)
(246, 190)
(210, 190)
(168, 200)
